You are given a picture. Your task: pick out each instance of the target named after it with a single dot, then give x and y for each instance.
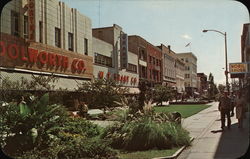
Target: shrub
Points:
(27, 123)
(144, 134)
(36, 129)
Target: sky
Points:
(177, 23)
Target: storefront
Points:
(21, 57)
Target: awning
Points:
(60, 82)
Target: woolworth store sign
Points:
(16, 53)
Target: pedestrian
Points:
(233, 98)
(240, 109)
(224, 108)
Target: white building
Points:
(109, 46)
(190, 71)
(46, 37)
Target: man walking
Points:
(224, 108)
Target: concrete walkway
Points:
(212, 143)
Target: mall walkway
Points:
(209, 141)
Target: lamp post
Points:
(226, 71)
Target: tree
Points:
(101, 93)
(162, 93)
(212, 89)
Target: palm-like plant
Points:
(27, 124)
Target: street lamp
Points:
(225, 36)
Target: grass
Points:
(147, 154)
(185, 110)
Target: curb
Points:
(176, 154)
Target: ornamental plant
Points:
(27, 123)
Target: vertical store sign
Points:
(124, 51)
(32, 19)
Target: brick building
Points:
(203, 85)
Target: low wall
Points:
(188, 103)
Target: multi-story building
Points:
(149, 59)
(202, 86)
(112, 58)
(245, 52)
(190, 71)
(154, 68)
(138, 45)
(180, 75)
(45, 38)
(169, 69)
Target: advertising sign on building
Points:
(16, 53)
(31, 19)
(237, 70)
(124, 51)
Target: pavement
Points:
(210, 142)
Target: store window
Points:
(14, 23)
(25, 27)
(70, 42)
(58, 37)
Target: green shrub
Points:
(37, 130)
(145, 134)
(27, 123)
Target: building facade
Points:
(46, 38)
(112, 59)
(138, 45)
(169, 69)
(154, 68)
(190, 71)
(180, 75)
(202, 86)
(245, 52)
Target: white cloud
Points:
(185, 36)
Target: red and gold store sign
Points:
(16, 53)
(122, 79)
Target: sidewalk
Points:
(209, 141)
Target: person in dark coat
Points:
(225, 108)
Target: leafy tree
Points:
(212, 90)
(162, 93)
(101, 93)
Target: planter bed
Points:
(188, 103)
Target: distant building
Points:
(190, 71)
(180, 75)
(150, 59)
(138, 45)
(169, 63)
(154, 67)
(202, 85)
